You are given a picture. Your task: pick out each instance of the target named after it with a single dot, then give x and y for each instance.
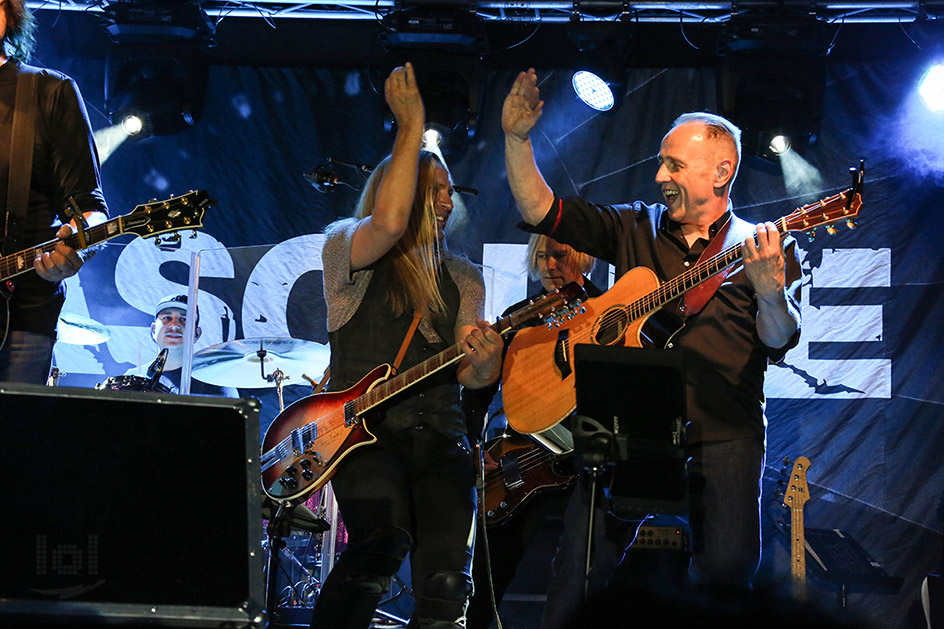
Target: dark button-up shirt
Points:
(725, 359)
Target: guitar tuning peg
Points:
(831, 230)
(812, 234)
(851, 224)
(786, 460)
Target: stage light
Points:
(780, 144)
(132, 124)
(771, 82)
(931, 88)
(593, 90)
(600, 62)
(432, 138)
(157, 69)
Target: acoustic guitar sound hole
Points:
(611, 326)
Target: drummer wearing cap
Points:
(167, 330)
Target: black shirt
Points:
(65, 163)
(725, 359)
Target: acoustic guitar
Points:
(537, 375)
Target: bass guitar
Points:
(306, 442)
(525, 470)
(537, 375)
(796, 495)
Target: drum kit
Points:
(253, 363)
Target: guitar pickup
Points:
(562, 353)
(511, 473)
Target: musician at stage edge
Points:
(413, 490)
(167, 330)
(35, 193)
(554, 264)
(752, 318)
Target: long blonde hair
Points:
(415, 257)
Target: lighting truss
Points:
(845, 11)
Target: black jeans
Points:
(412, 492)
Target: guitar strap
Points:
(319, 387)
(406, 340)
(21, 157)
(733, 231)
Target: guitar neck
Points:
(554, 302)
(701, 272)
(22, 261)
(405, 379)
(798, 552)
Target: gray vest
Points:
(373, 336)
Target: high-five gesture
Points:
(390, 216)
(404, 98)
(522, 106)
(521, 111)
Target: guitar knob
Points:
(503, 504)
(851, 224)
(831, 230)
(307, 475)
(290, 470)
(305, 463)
(490, 513)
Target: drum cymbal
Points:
(237, 363)
(75, 329)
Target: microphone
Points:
(157, 367)
(322, 178)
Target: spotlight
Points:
(132, 124)
(780, 144)
(771, 82)
(593, 90)
(157, 68)
(931, 88)
(432, 138)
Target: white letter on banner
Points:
(800, 377)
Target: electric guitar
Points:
(796, 495)
(525, 470)
(537, 375)
(146, 220)
(307, 441)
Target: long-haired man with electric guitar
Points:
(44, 126)
(387, 275)
(751, 318)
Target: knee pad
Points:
(379, 553)
(447, 586)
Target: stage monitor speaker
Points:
(129, 508)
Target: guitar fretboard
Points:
(22, 261)
(689, 279)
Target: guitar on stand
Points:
(538, 372)
(795, 496)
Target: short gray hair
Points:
(719, 128)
